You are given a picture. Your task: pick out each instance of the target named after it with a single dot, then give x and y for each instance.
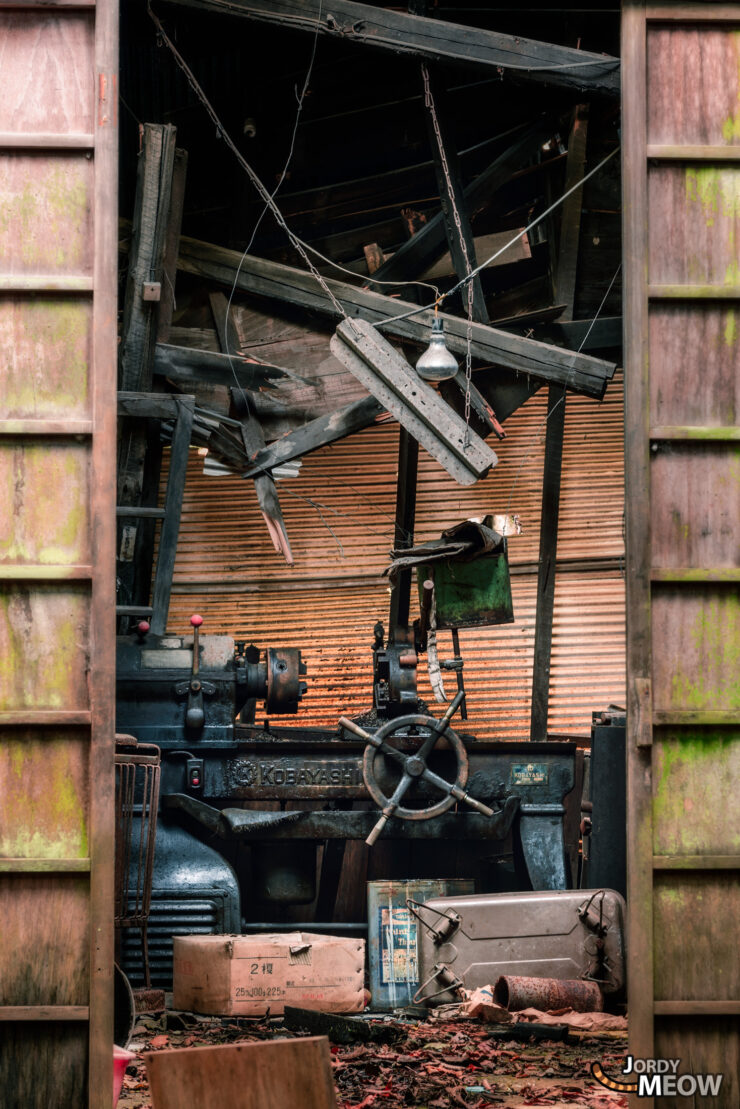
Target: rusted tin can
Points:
(515, 992)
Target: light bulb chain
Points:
(429, 104)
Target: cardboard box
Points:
(247, 975)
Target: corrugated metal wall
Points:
(339, 514)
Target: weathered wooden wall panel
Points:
(682, 335)
(694, 75)
(45, 357)
(44, 498)
(44, 641)
(696, 927)
(694, 224)
(46, 214)
(701, 479)
(57, 54)
(697, 1040)
(55, 1050)
(682, 363)
(58, 232)
(44, 783)
(696, 663)
(54, 969)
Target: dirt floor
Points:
(429, 1065)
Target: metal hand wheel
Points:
(414, 767)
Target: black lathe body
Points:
(229, 853)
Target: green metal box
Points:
(470, 594)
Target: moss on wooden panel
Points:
(47, 221)
(44, 799)
(693, 783)
(43, 502)
(717, 190)
(44, 356)
(714, 653)
(731, 125)
(43, 644)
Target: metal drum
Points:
(393, 935)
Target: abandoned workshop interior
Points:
(369, 486)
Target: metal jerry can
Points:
(472, 940)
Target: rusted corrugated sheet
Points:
(349, 487)
(339, 515)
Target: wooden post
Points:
(570, 222)
(141, 315)
(408, 459)
(547, 562)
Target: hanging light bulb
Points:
(437, 363)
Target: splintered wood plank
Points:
(252, 434)
(317, 433)
(281, 1074)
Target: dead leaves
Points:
(437, 1065)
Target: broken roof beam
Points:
(579, 372)
(317, 433)
(418, 408)
(434, 39)
(191, 365)
(251, 433)
(422, 249)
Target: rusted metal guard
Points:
(137, 794)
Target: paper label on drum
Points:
(399, 959)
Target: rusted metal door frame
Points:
(657, 724)
(79, 39)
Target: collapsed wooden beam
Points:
(317, 433)
(421, 250)
(190, 365)
(435, 39)
(418, 408)
(252, 436)
(579, 372)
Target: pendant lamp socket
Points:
(437, 363)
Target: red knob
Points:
(143, 627)
(196, 620)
